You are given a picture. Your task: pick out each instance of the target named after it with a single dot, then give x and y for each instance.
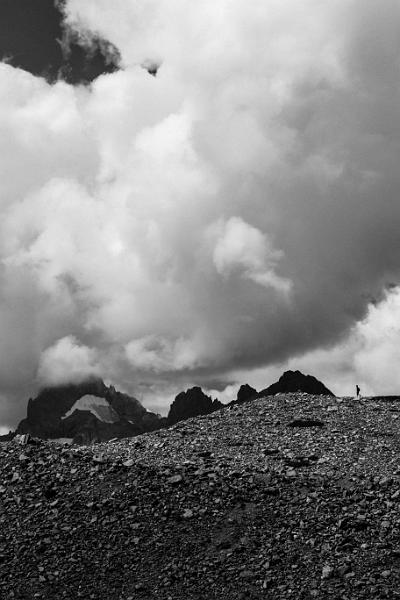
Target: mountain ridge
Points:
(48, 414)
(51, 414)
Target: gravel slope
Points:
(242, 503)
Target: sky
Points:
(198, 193)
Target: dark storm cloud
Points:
(33, 37)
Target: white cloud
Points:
(67, 361)
(377, 355)
(243, 248)
(159, 355)
(368, 356)
(163, 220)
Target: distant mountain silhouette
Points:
(86, 412)
(91, 411)
(246, 392)
(295, 381)
(191, 403)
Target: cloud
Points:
(377, 354)
(159, 355)
(369, 356)
(235, 212)
(67, 361)
(243, 248)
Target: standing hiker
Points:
(357, 391)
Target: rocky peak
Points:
(246, 392)
(295, 381)
(86, 411)
(191, 403)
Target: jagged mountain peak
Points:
(296, 381)
(86, 411)
(192, 403)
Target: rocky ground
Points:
(290, 496)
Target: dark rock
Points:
(49, 493)
(271, 491)
(297, 462)
(7, 436)
(246, 393)
(295, 381)
(116, 414)
(191, 403)
(174, 479)
(270, 451)
(306, 422)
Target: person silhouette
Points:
(357, 391)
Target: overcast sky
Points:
(233, 216)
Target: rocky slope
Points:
(291, 496)
(86, 412)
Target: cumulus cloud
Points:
(243, 248)
(67, 361)
(159, 355)
(238, 210)
(369, 355)
(377, 351)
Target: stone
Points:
(327, 572)
(306, 422)
(22, 439)
(175, 479)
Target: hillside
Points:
(290, 496)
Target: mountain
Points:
(191, 403)
(246, 503)
(295, 381)
(246, 393)
(91, 411)
(86, 412)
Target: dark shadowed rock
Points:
(86, 412)
(295, 381)
(246, 392)
(7, 436)
(191, 403)
(306, 422)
